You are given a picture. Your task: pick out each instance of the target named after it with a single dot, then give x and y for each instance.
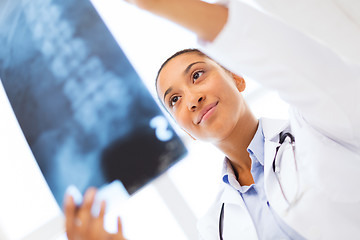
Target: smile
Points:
(207, 112)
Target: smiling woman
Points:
(203, 97)
(206, 101)
(209, 105)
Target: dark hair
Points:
(188, 50)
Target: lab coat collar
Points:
(273, 127)
(231, 196)
(229, 175)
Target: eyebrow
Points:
(186, 71)
(167, 92)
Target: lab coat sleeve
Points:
(313, 79)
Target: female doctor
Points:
(282, 180)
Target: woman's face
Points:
(202, 97)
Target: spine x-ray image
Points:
(84, 111)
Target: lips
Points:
(205, 111)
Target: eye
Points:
(173, 100)
(196, 75)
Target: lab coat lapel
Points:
(231, 196)
(237, 221)
(271, 130)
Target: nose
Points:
(194, 103)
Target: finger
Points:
(84, 214)
(102, 212)
(95, 228)
(120, 232)
(119, 235)
(69, 210)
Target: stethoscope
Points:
(285, 138)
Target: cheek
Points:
(223, 90)
(220, 82)
(182, 118)
(184, 121)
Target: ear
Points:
(239, 81)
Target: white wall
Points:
(26, 201)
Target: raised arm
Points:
(204, 19)
(318, 83)
(312, 78)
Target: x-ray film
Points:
(83, 109)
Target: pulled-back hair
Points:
(188, 50)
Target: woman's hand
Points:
(82, 225)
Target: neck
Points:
(235, 147)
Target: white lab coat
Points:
(335, 23)
(322, 87)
